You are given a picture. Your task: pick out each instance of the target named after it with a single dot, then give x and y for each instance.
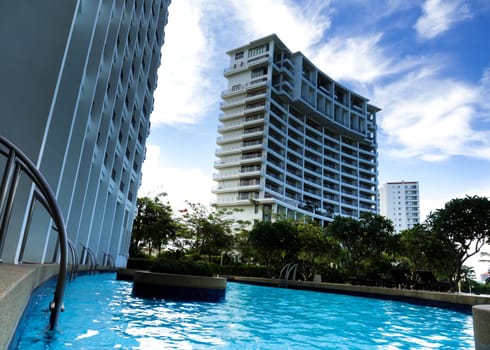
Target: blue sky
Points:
(425, 63)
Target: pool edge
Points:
(18, 283)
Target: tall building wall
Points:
(77, 99)
(399, 202)
(292, 141)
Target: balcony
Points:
(230, 126)
(238, 112)
(231, 103)
(227, 150)
(237, 186)
(229, 174)
(237, 136)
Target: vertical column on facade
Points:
(89, 170)
(81, 121)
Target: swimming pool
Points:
(101, 313)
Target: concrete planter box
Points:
(178, 287)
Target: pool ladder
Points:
(88, 257)
(109, 261)
(287, 270)
(17, 163)
(74, 261)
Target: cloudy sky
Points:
(425, 63)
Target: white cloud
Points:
(192, 65)
(439, 15)
(183, 94)
(298, 25)
(359, 59)
(432, 118)
(180, 184)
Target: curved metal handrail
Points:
(93, 258)
(287, 269)
(18, 161)
(108, 260)
(74, 260)
(88, 255)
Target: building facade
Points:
(76, 94)
(292, 142)
(399, 202)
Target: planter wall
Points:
(178, 287)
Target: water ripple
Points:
(250, 317)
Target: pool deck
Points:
(18, 281)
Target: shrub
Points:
(244, 270)
(481, 288)
(140, 263)
(181, 266)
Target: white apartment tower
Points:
(76, 94)
(399, 202)
(293, 142)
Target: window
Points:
(258, 50)
(239, 55)
(257, 72)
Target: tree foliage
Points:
(367, 242)
(462, 226)
(274, 242)
(208, 230)
(346, 247)
(153, 225)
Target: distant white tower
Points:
(399, 202)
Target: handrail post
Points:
(93, 259)
(9, 188)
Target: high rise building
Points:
(76, 95)
(399, 202)
(292, 142)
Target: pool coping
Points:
(17, 284)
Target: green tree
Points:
(209, 230)
(463, 226)
(413, 244)
(378, 241)
(316, 249)
(347, 231)
(153, 225)
(367, 243)
(422, 249)
(274, 242)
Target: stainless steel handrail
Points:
(108, 260)
(74, 260)
(93, 258)
(287, 269)
(88, 255)
(18, 161)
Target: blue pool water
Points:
(101, 313)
